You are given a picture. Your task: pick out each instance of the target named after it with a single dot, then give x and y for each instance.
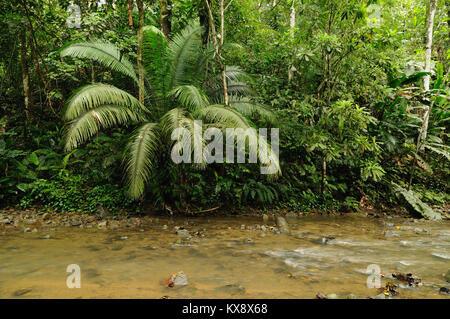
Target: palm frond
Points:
(155, 61)
(141, 158)
(227, 117)
(105, 53)
(98, 94)
(179, 118)
(85, 126)
(182, 53)
(251, 109)
(190, 97)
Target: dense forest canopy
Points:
(90, 92)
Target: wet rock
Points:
(283, 225)
(21, 292)
(34, 230)
(179, 279)
(351, 296)
(390, 234)
(123, 237)
(249, 241)
(46, 237)
(408, 279)
(182, 232)
(27, 230)
(444, 291)
(332, 296)
(379, 296)
(102, 224)
(320, 295)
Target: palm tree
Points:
(178, 89)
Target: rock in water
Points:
(283, 225)
(332, 296)
(265, 218)
(179, 279)
(183, 232)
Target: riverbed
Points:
(225, 257)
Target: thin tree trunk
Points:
(428, 51)
(324, 174)
(25, 76)
(426, 84)
(140, 38)
(292, 34)
(130, 13)
(219, 45)
(429, 42)
(222, 66)
(166, 13)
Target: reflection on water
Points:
(222, 259)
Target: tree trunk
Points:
(428, 51)
(166, 12)
(324, 174)
(292, 34)
(204, 22)
(219, 45)
(140, 38)
(429, 42)
(222, 66)
(25, 76)
(130, 13)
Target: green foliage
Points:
(72, 193)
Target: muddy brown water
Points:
(222, 259)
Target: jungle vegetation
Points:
(91, 91)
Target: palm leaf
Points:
(182, 54)
(141, 158)
(105, 53)
(85, 126)
(98, 94)
(190, 97)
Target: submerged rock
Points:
(283, 225)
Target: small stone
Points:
(249, 241)
(75, 223)
(179, 279)
(332, 296)
(102, 224)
